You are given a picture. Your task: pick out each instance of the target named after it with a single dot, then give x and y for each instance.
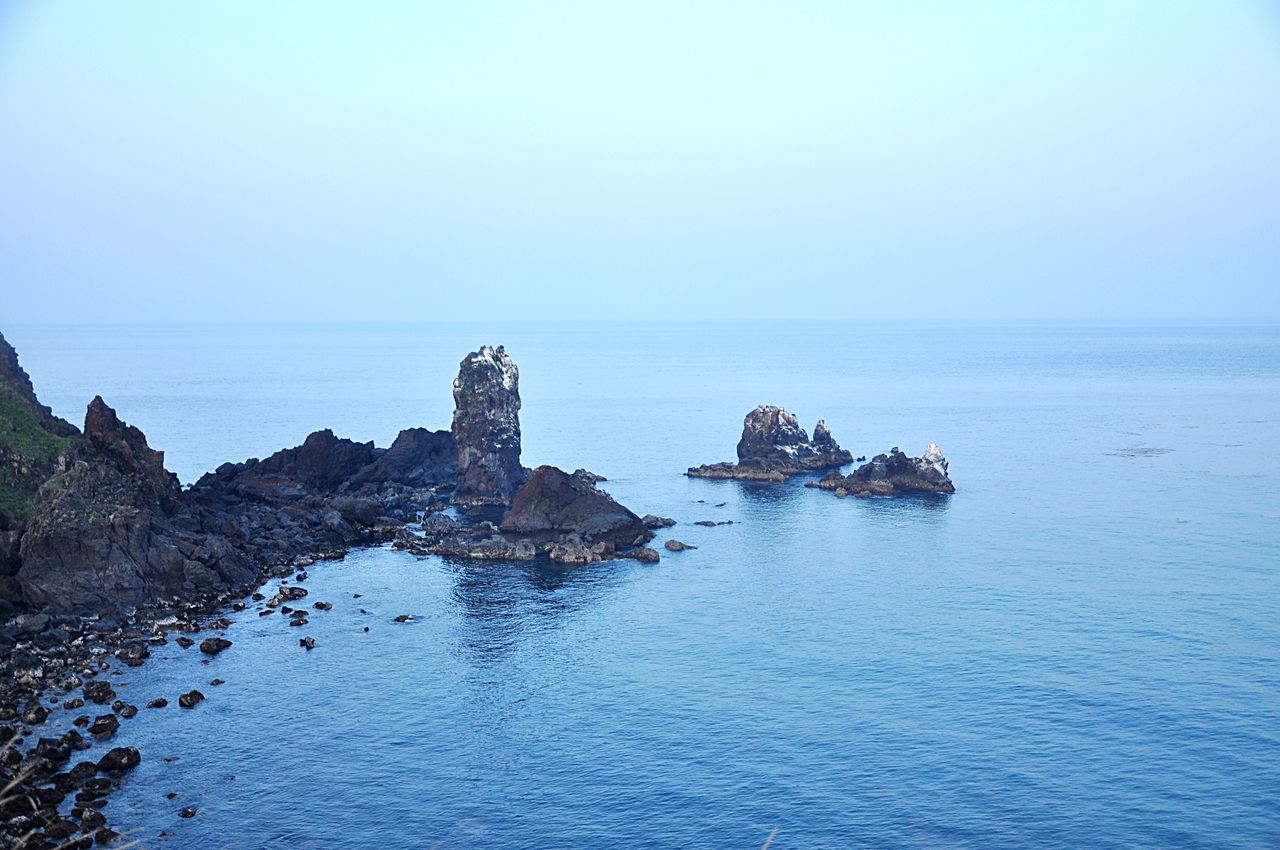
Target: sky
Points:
(326, 161)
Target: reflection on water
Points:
(503, 601)
(911, 504)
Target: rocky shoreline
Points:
(103, 554)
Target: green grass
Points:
(24, 442)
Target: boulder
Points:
(677, 546)
(119, 760)
(190, 699)
(554, 506)
(104, 726)
(99, 691)
(486, 429)
(214, 645)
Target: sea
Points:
(1080, 648)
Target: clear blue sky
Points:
(438, 161)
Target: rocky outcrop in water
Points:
(774, 447)
(486, 429)
(564, 517)
(894, 474)
(555, 506)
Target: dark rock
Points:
(184, 642)
(323, 606)
(158, 702)
(643, 554)
(99, 692)
(187, 812)
(653, 522)
(61, 830)
(133, 653)
(417, 458)
(307, 643)
(128, 711)
(894, 474)
(102, 535)
(119, 760)
(486, 429)
(554, 506)
(677, 546)
(286, 593)
(53, 750)
(104, 726)
(774, 447)
(217, 682)
(214, 645)
(190, 699)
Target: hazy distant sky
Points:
(436, 161)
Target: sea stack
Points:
(486, 429)
(774, 447)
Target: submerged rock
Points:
(893, 474)
(774, 447)
(190, 699)
(486, 429)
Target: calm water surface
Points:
(1081, 648)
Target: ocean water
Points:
(1080, 648)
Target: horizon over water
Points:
(1080, 648)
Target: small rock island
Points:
(774, 447)
(893, 474)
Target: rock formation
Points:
(102, 534)
(774, 447)
(111, 528)
(35, 445)
(893, 474)
(565, 517)
(554, 506)
(486, 429)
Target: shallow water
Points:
(1079, 648)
